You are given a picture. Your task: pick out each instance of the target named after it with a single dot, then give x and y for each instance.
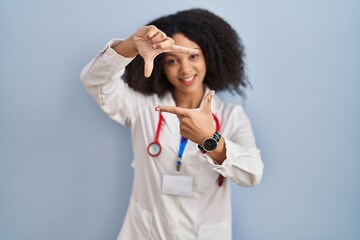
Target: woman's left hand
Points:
(195, 124)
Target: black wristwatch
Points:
(209, 144)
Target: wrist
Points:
(209, 144)
(126, 48)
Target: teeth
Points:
(188, 79)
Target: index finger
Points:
(181, 49)
(182, 112)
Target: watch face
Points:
(209, 144)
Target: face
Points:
(185, 72)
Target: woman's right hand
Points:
(149, 41)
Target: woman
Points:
(186, 141)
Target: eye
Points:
(170, 61)
(194, 56)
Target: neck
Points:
(186, 100)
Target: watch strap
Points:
(216, 136)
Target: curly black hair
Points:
(221, 45)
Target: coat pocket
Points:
(138, 223)
(220, 230)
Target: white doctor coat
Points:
(151, 214)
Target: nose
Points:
(185, 67)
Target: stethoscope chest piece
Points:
(154, 149)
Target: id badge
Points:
(180, 185)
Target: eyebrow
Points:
(171, 54)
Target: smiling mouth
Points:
(188, 79)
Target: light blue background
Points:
(65, 166)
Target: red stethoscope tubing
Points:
(161, 119)
(217, 122)
(154, 148)
(220, 179)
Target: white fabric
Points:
(151, 214)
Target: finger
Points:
(167, 43)
(148, 67)
(158, 38)
(182, 49)
(206, 103)
(182, 112)
(152, 31)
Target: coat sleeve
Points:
(102, 79)
(243, 162)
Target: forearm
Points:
(101, 78)
(219, 154)
(126, 48)
(243, 165)
(104, 69)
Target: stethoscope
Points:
(154, 148)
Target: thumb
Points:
(206, 103)
(148, 67)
